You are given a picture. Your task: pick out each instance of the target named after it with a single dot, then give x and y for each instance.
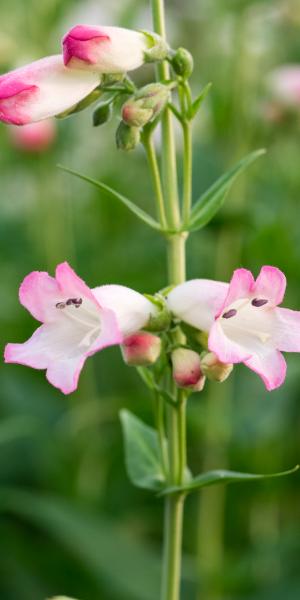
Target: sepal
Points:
(158, 49)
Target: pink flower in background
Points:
(243, 320)
(104, 49)
(284, 85)
(76, 323)
(42, 89)
(35, 137)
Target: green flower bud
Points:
(213, 368)
(102, 113)
(161, 319)
(182, 63)
(158, 49)
(127, 138)
(145, 105)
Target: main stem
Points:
(174, 504)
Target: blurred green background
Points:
(70, 522)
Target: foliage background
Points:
(70, 521)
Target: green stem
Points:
(185, 99)
(187, 171)
(160, 425)
(174, 504)
(152, 160)
(168, 152)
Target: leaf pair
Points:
(203, 210)
(144, 468)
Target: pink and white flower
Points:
(76, 323)
(284, 85)
(42, 89)
(104, 49)
(243, 320)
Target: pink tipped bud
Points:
(214, 369)
(141, 349)
(146, 104)
(35, 137)
(187, 371)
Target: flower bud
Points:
(160, 319)
(141, 349)
(145, 105)
(187, 371)
(127, 138)
(157, 49)
(182, 63)
(213, 368)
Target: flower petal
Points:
(198, 301)
(270, 366)
(270, 284)
(287, 330)
(70, 284)
(42, 89)
(227, 350)
(240, 287)
(104, 49)
(39, 293)
(132, 310)
(64, 374)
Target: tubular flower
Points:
(104, 49)
(243, 320)
(76, 323)
(42, 89)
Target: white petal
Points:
(132, 310)
(198, 301)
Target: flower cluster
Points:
(242, 322)
(54, 84)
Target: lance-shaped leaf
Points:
(141, 214)
(196, 105)
(142, 453)
(222, 476)
(212, 200)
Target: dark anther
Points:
(259, 302)
(60, 305)
(230, 313)
(75, 301)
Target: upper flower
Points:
(77, 322)
(104, 49)
(284, 85)
(42, 89)
(243, 320)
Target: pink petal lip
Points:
(240, 286)
(75, 43)
(270, 283)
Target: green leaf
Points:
(196, 105)
(141, 214)
(212, 200)
(115, 560)
(222, 476)
(102, 113)
(142, 453)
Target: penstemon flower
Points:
(104, 49)
(42, 89)
(76, 323)
(243, 319)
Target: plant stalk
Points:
(174, 505)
